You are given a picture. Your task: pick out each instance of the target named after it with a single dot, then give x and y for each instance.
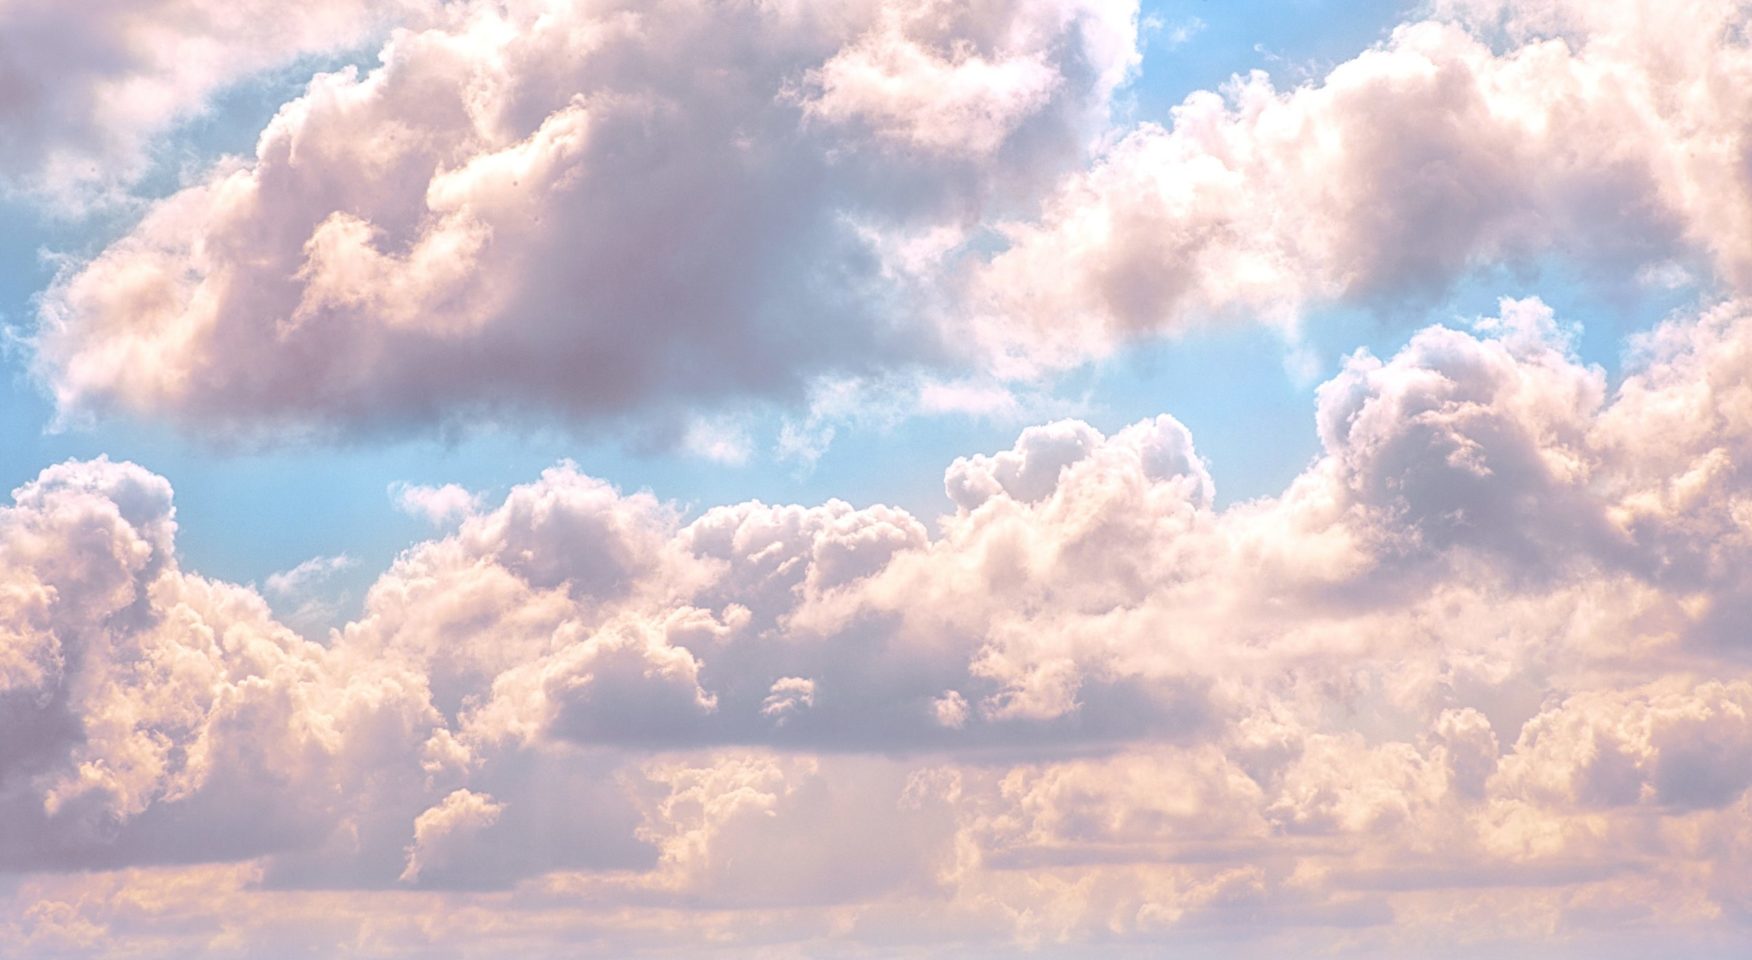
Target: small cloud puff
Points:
(438, 506)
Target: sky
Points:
(891, 478)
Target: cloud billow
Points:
(1481, 642)
(587, 212)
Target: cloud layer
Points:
(1478, 677)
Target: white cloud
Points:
(441, 834)
(84, 88)
(144, 687)
(580, 211)
(436, 505)
(788, 695)
(720, 441)
(486, 224)
(307, 599)
(949, 100)
(291, 583)
(1452, 147)
(1476, 677)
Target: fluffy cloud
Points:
(440, 834)
(942, 79)
(1478, 660)
(1477, 678)
(586, 209)
(82, 90)
(1499, 133)
(595, 212)
(437, 505)
(153, 715)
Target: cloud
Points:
(789, 695)
(436, 505)
(918, 86)
(1672, 747)
(144, 688)
(84, 91)
(721, 441)
(306, 595)
(1476, 678)
(442, 833)
(290, 583)
(1479, 659)
(1496, 134)
(570, 214)
(587, 212)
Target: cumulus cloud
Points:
(583, 210)
(566, 210)
(154, 715)
(1479, 660)
(84, 89)
(436, 505)
(915, 84)
(788, 695)
(1495, 133)
(440, 834)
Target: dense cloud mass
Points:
(1479, 674)
(586, 209)
(601, 213)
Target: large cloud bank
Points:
(1478, 677)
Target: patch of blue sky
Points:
(1193, 45)
(1609, 307)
